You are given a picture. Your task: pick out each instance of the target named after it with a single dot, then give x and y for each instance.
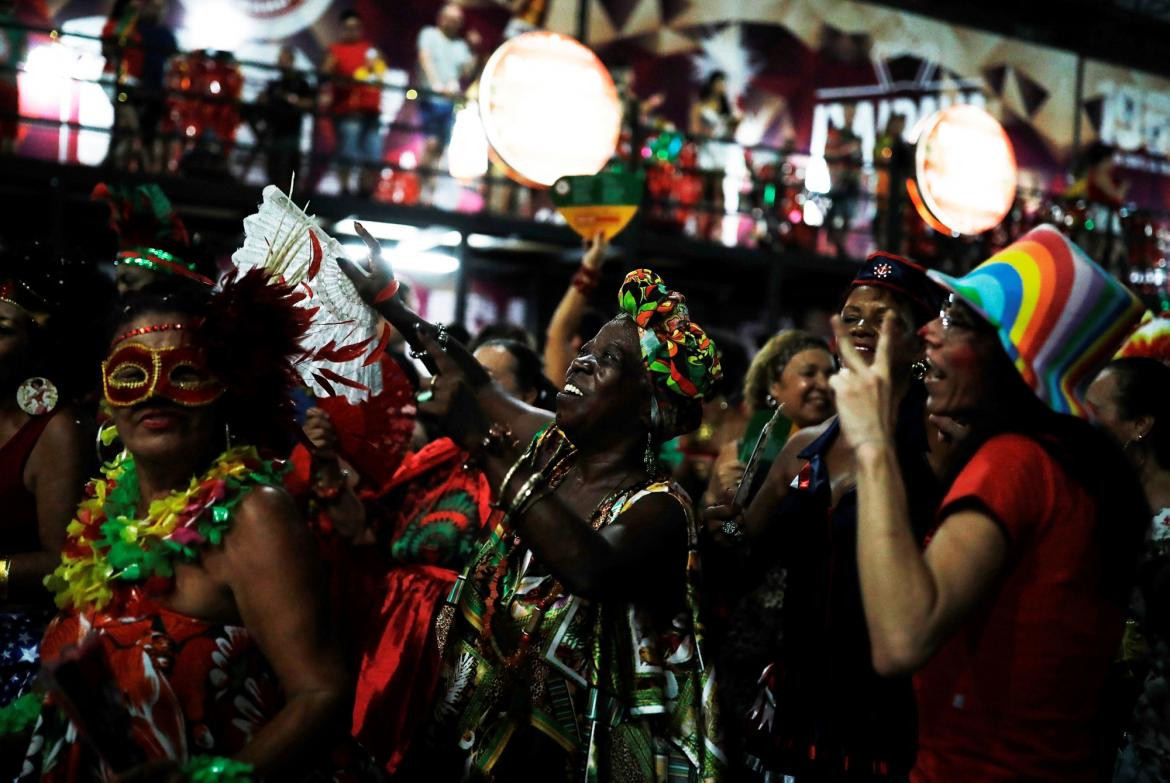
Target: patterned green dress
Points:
(624, 695)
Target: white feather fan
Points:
(284, 240)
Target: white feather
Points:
(276, 238)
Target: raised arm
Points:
(566, 319)
(759, 519)
(913, 600)
(378, 289)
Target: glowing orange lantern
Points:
(965, 171)
(549, 108)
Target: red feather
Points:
(345, 353)
(380, 348)
(338, 378)
(318, 254)
(324, 384)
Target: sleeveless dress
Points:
(20, 627)
(608, 690)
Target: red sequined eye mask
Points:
(135, 372)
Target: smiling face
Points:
(606, 386)
(161, 394)
(862, 316)
(803, 387)
(967, 372)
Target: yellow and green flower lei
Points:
(107, 542)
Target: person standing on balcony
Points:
(286, 100)
(137, 44)
(843, 155)
(13, 42)
(356, 106)
(445, 58)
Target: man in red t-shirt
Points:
(1012, 614)
(356, 66)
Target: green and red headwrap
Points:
(679, 357)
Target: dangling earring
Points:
(37, 396)
(918, 369)
(651, 456)
(107, 434)
(770, 401)
(227, 436)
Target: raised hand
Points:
(320, 431)
(453, 402)
(375, 284)
(722, 522)
(865, 404)
(595, 251)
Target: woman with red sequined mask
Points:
(189, 573)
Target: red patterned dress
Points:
(188, 687)
(430, 518)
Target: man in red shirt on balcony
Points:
(354, 63)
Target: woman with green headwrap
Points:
(572, 646)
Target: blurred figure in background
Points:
(356, 106)
(713, 119)
(843, 156)
(1128, 401)
(445, 58)
(137, 44)
(286, 100)
(13, 42)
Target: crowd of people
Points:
(931, 546)
(348, 123)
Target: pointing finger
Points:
(881, 361)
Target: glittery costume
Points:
(623, 694)
(546, 685)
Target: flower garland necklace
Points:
(107, 541)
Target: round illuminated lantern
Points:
(549, 108)
(270, 19)
(965, 173)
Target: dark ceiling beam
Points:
(1098, 29)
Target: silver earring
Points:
(918, 369)
(107, 434)
(227, 436)
(651, 457)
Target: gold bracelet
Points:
(5, 570)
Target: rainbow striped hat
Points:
(1059, 315)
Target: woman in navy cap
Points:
(829, 716)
